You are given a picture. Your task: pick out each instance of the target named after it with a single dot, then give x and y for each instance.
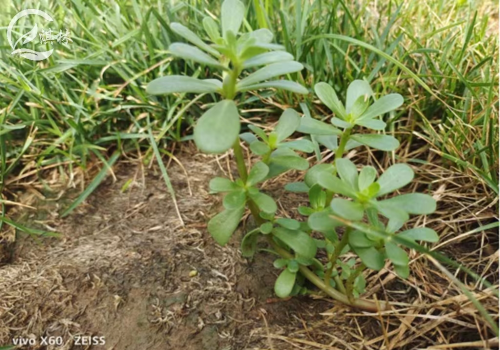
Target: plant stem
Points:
(314, 279)
(343, 142)
(335, 255)
(240, 160)
(350, 281)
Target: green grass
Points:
(87, 103)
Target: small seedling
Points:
(348, 211)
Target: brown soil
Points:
(126, 269)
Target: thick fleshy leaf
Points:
(222, 225)
(347, 209)
(187, 34)
(280, 263)
(218, 128)
(258, 173)
(259, 148)
(267, 58)
(359, 240)
(322, 222)
(232, 14)
(383, 105)
(420, 234)
(221, 184)
(359, 106)
(373, 124)
(293, 266)
(291, 162)
(356, 89)
(336, 185)
(234, 199)
(329, 141)
(248, 137)
(284, 283)
(371, 257)
(395, 177)
(317, 197)
(299, 241)
(211, 28)
(366, 177)
(178, 84)
(340, 123)
(287, 124)
(413, 203)
(312, 175)
(381, 142)
(188, 52)
(395, 254)
(266, 228)
(347, 171)
(270, 71)
(403, 271)
(262, 35)
(258, 131)
(249, 243)
(277, 84)
(298, 187)
(312, 126)
(328, 96)
(264, 202)
(302, 145)
(392, 212)
(288, 223)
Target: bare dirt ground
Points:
(126, 269)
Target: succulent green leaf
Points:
(347, 171)
(293, 266)
(262, 35)
(329, 141)
(413, 203)
(287, 124)
(328, 96)
(336, 185)
(284, 283)
(395, 177)
(312, 175)
(355, 90)
(312, 126)
(360, 106)
(221, 184)
(218, 128)
(302, 145)
(340, 123)
(232, 14)
(359, 240)
(299, 241)
(266, 228)
(249, 243)
(264, 202)
(373, 124)
(258, 131)
(288, 223)
(234, 200)
(347, 209)
(403, 271)
(270, 71)
(420, 234)
(317, 197)
(248, 137)
(188, 52)
(222, 225)
(322, 222)
(395, 254)
(280, 263)
(392, 212)
(211, 28)
(193, 38)
(371, 257)
(258, 173)
(179, 84)
(366, 177)
(381, 142)
(286, 85)
(291, 162)
(298, 187)
(383, 105)
(267, 58)
(259, 148)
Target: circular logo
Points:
(26, 53)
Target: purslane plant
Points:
(342, 199)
